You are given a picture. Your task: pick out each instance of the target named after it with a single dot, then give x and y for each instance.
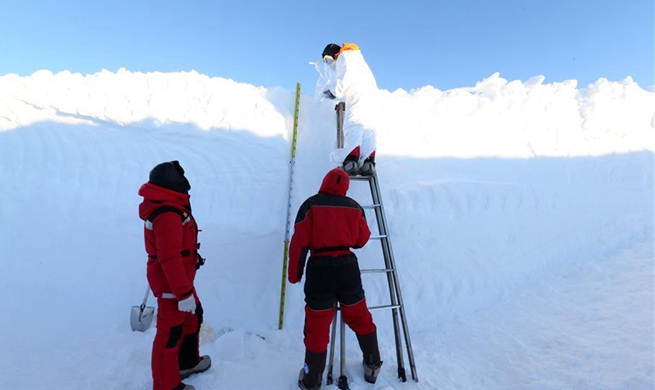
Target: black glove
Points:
(328, 94)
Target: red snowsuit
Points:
(171, 241)
(328, 224)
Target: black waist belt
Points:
(330, 249)
(184, 253)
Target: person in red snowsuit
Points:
(171, 241)
(327, 226)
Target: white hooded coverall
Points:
(349, 78)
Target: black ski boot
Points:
(310, 376)
(368, 167)
(202, 366)
(371, 372)
(351, 165)
(371, 353)
(301, 382)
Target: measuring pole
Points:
(292, 164)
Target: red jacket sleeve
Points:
(169, 235)
(364, 233)
(299, 245)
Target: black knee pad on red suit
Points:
(358, 318)
(317, 329)
(174, 335)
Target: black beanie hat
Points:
(170, 175)
(331, 50)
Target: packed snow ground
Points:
(521, 217)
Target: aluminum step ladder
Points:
(396, 300)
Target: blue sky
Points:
(408, 44)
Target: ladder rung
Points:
(372, 206)
(385, 307)
(378, 237)
(361, 178)
(372, 271)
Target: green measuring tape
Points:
(292, 164)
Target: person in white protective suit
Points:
(346, 75)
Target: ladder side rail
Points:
(330, 378)
(393, 287)
(394, 277)
(343, 379)
(382, 224)
(393, 291)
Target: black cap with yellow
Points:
(331, 50)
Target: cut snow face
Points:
(520, 213)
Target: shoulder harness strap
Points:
(186, 217)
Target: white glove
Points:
(188, 305)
